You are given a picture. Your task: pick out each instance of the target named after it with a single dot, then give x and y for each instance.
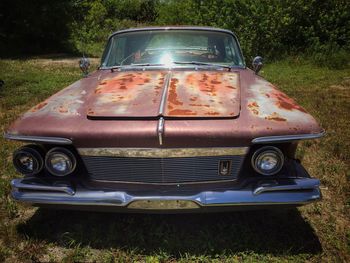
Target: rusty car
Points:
(172, 120)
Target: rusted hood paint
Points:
(128, 94)
(170, 94)
(194, 100)
(203, 94)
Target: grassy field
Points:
(314, 233)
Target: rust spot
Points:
(275, 117)
(215, 82)
(62, 109)
(286, 103)
(213, 113)
(230, 87)
(204, 77)
(193, 98)
(173, 98)
(199, 105)
(182, 112)
(254, 107)
(122, 87)
(39, 106)
(91, 112)
(289, 106)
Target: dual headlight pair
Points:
(30, 160)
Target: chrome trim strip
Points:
(36, 186)
(215, 198)
(287, 138)
(164, 94)
(162, 184)
(162, 152)
(300, 185)
(160, 130)
(40, 139)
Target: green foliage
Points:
(271, 28)
(100, 18)
(28, 26)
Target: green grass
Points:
(317, 232)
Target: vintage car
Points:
(172, 120)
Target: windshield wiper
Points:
(134, 65)
(201, 64)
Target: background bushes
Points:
(272, 28)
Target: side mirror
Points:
(257, 64)
(84, 64)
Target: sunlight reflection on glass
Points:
(166, 59)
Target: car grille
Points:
(160, 170)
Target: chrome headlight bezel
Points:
(269, 152)
(33, 152)
(63, 154)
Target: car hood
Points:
(80, 112)
(193, 94)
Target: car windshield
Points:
(168, 47)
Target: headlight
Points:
(268, 160)
(28, 160)
(60, 161)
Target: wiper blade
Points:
(145, 65)
(201, 64)
(134, 65)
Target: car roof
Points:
(204, 28)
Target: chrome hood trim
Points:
(163, 152)
(287, 138)
(39, 139)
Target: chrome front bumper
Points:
(264, 193)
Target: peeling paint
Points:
(203, 94)
(192, 93)
(129, 94)
(63, 104)
(266, 102)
